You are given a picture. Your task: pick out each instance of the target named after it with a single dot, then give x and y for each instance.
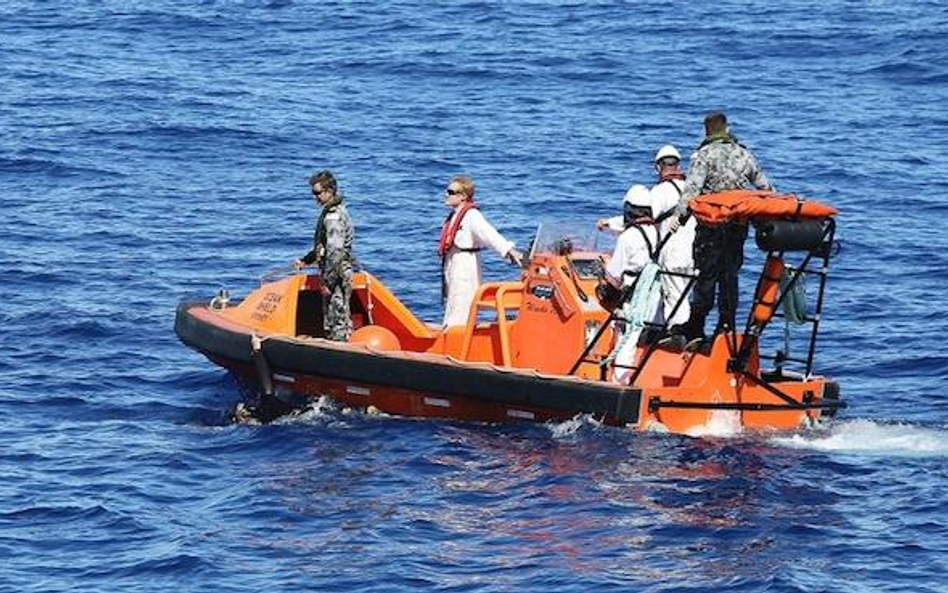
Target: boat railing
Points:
(279, 273)
(658, 329)
(815, 263)
(741, 350)
(654, 328)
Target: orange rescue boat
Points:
(537, 348)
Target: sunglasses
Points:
(453, 192)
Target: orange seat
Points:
(501, 297)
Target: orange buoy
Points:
(769, 290)
(376, 337)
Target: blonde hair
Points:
(466, 184)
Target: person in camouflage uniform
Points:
(332, 253)
(719, 164)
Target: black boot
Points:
(691, 330)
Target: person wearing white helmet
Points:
(676, 253)
(635, 249)
(667, 151)
(637, 244)
(620, 222)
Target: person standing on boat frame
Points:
(676, 254)
(719, 164)
(332, 253)
(464, 233)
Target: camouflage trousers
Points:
(337, 320)
(719, 255)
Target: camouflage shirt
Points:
(332, 245)
(720, 165)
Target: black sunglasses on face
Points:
(453, 192)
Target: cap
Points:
(667, 151)
(638, 195)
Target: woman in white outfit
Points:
(464, 234)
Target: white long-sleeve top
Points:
(676, 254)
(616, 224)
(631, 252)
(462, 269)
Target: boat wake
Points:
(874, 438)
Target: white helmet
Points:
(638, 195)
(667, 151)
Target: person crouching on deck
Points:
(332, 252)
(464, 234)
(635, 253)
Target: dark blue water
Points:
(152, 151)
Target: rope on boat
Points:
(639, 308)
(794, 303)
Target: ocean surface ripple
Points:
(156, 151)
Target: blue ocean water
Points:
(154, 151)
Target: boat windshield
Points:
(563, 238)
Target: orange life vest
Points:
(450, 228)
(745, 204)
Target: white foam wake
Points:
(866, 436)
(721, 424)
(316, 412)
(574, 425)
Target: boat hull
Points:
(409, 384)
